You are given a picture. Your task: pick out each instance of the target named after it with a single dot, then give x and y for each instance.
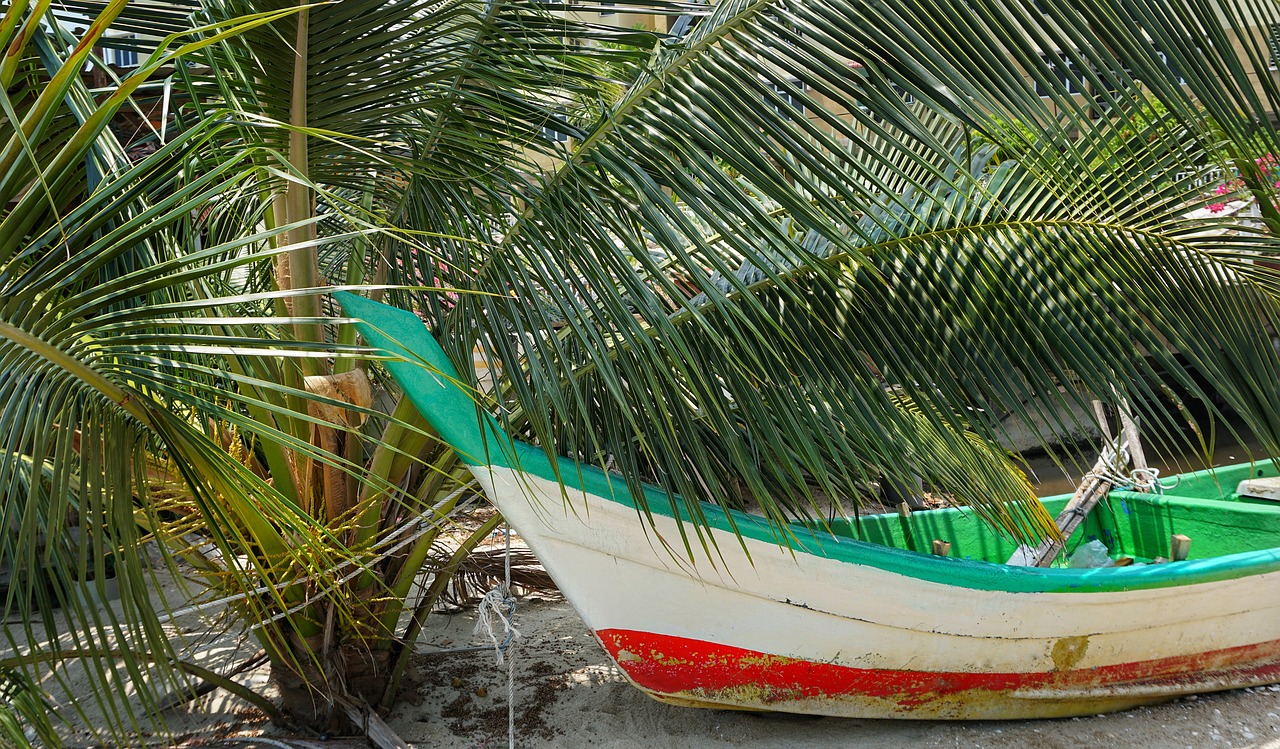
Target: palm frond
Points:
(119, 368)
(24, 713)
(823, 174)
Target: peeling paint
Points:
(704, 674)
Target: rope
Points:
(500, 603)
(1141, 479)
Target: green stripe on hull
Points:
(431, 383)
(430, 380)
(979, 575)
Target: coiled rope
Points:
(1144, 479)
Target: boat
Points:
(850, 621)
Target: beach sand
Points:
(569, 694)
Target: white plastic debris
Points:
(1090, 555)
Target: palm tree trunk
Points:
(316, 698)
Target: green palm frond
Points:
(998, 236)
(119, 366)
(24, 713)
(438, 91)
(153, 19)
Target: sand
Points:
(569, 694)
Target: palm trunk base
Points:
(315, 701)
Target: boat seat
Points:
(1260, 488)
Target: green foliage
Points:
(707, 285)
(1011, 138)
(24, 713)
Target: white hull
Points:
(806, 607)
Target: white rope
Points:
(499, 603)
(1141, 479)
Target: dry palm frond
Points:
(486, 568)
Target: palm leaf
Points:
(24, 713)
(861, 238)
(110, 376)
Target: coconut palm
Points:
(207, 395)
(112, 419)
(809, 245)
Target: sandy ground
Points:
(569, 694)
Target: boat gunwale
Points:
(968, 573)
(430, 380)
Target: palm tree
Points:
(196, 269)
(756, 270)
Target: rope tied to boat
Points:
(500, 604)
(1140, 479)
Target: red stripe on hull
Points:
(701, 671)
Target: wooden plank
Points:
(1132, 439)
(1092, 489)
(1179, 547)
(904, 517)
(1260, 488)
(941, 548)
(376, 731)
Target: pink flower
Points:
(1221, 190)
(1217, 207)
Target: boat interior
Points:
(1209, 507)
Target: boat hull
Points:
(819, 622)
(757, 626)
(705, 674)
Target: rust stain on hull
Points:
(1068, 651)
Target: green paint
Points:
(430, 380)
(1203, 506)
(1236, 538)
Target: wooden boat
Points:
(854, 623)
